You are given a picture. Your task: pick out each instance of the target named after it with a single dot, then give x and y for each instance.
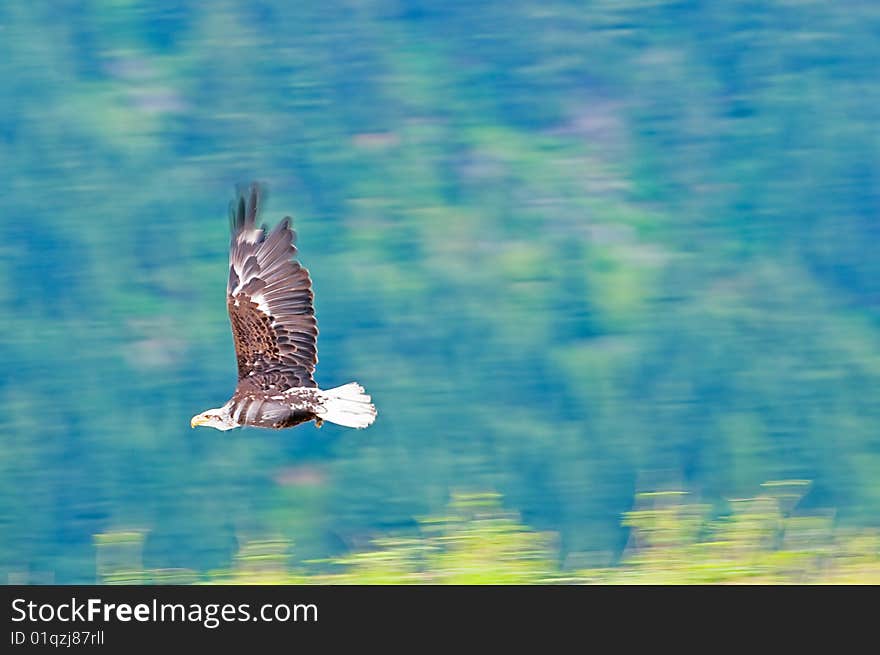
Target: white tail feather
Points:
(348, 405)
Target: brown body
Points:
(262, 411)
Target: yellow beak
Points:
(197, 420)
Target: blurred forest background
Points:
(577, 251)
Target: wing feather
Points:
(270, 302)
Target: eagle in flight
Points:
(269, 298)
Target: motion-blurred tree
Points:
(574, 250)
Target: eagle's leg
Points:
(319, 421)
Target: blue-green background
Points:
(574, 250)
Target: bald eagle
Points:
(269, 298)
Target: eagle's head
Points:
(219, 419)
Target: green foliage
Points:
(759, 540)
(572, 249)
(475, 543)
(672, 541)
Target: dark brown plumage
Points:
(270, 303)
(276, 346)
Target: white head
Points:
(218, 418)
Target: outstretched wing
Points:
(269, 297)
